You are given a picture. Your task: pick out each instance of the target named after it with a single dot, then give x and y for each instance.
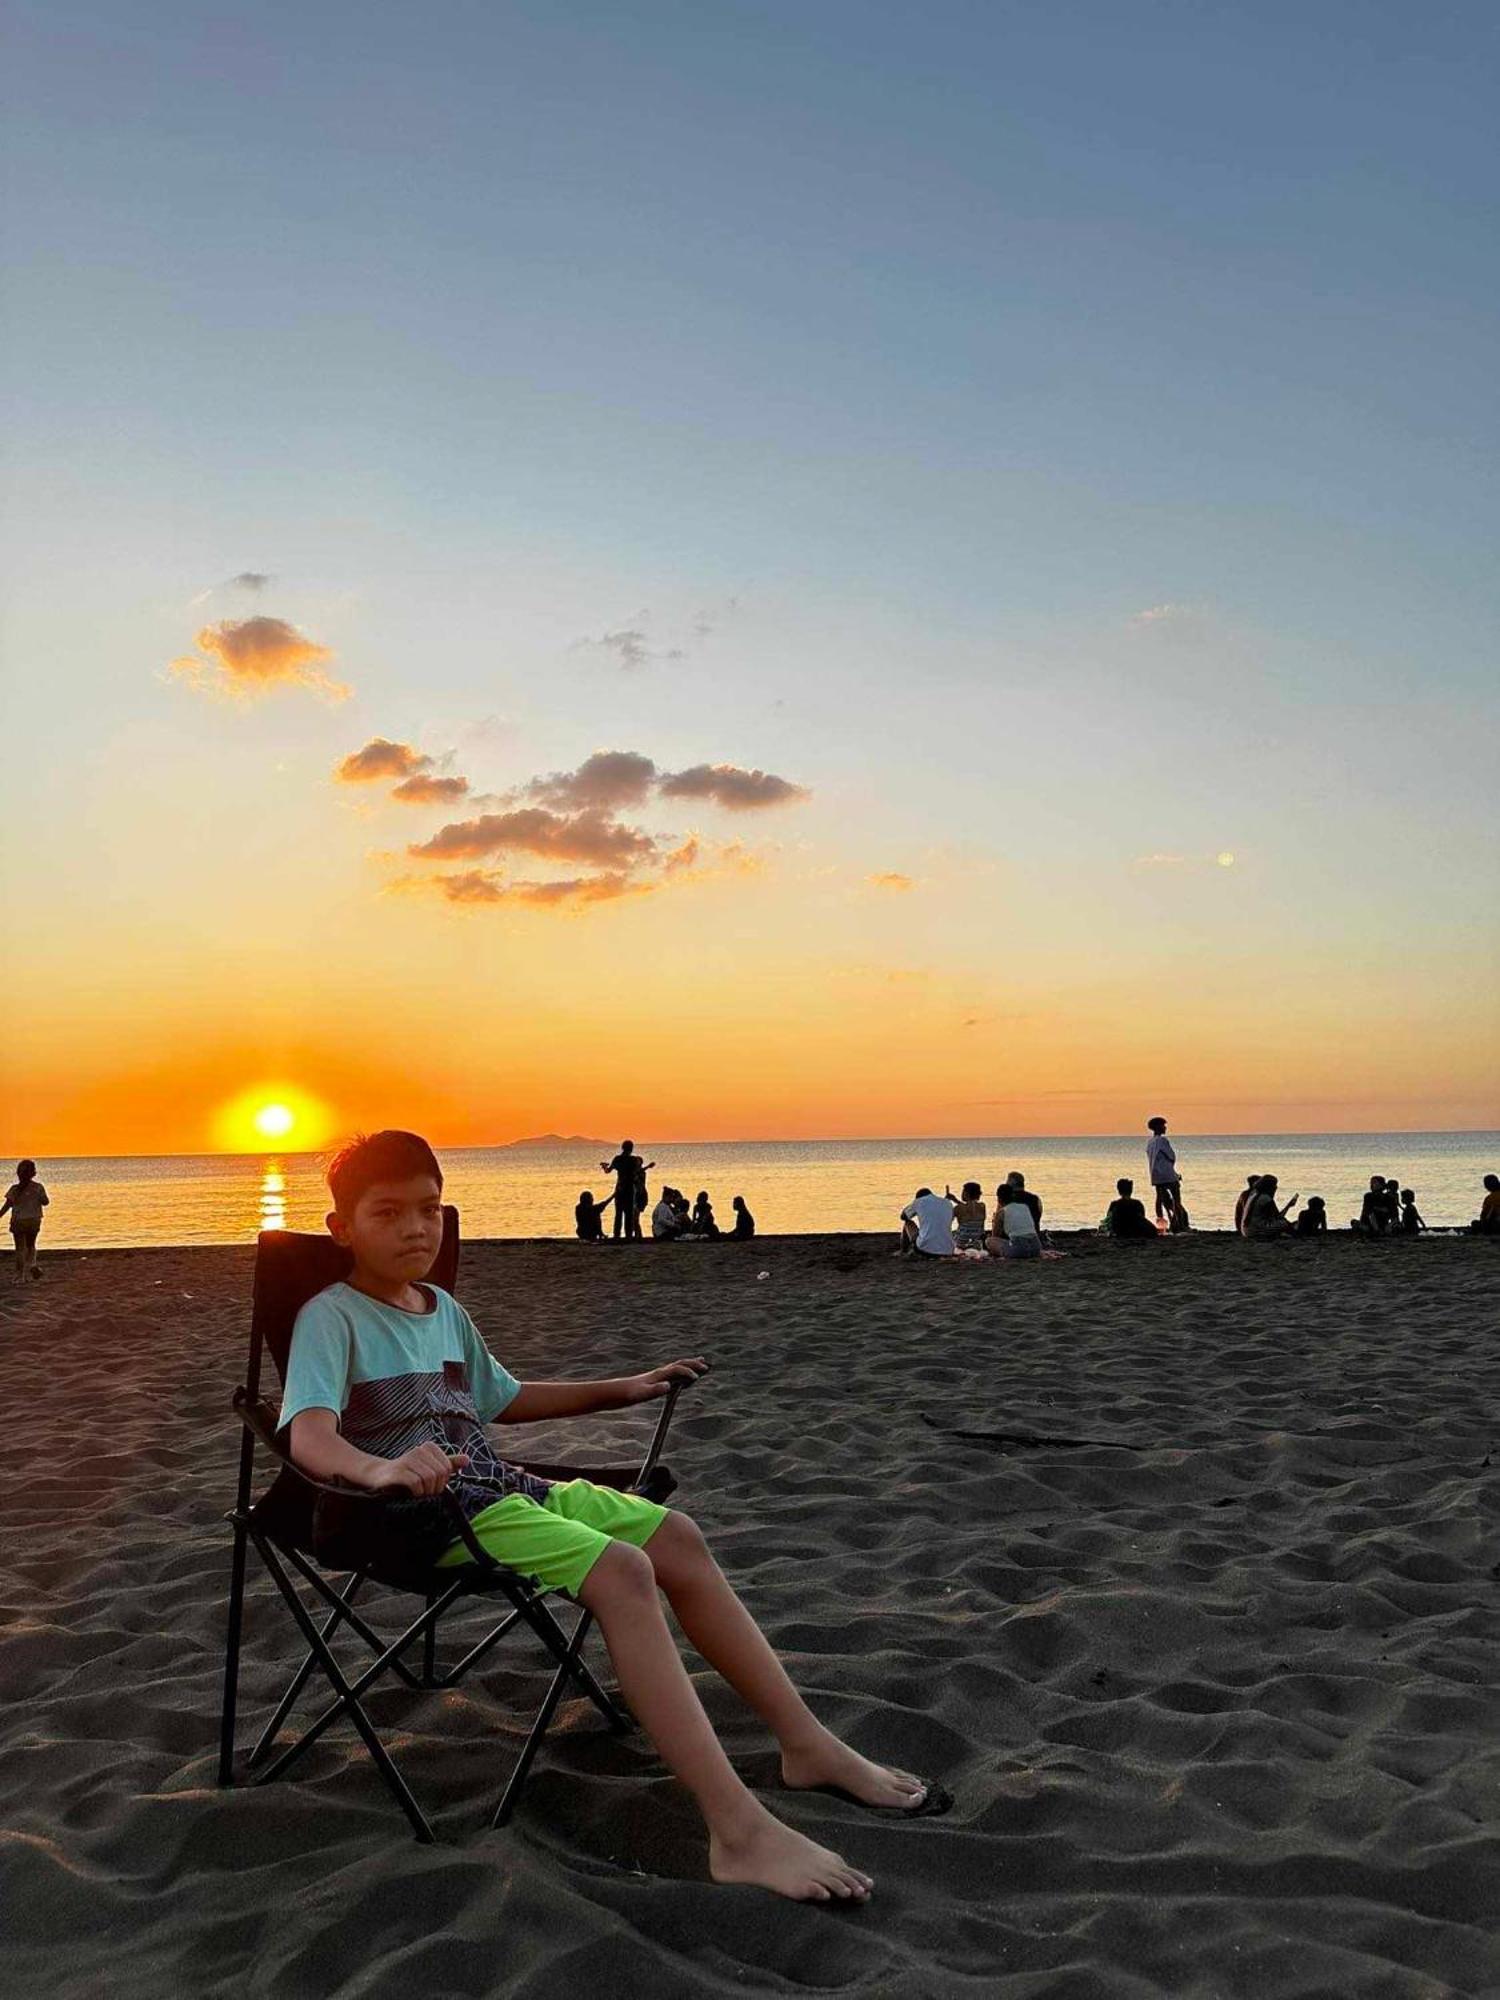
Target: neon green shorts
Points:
(559, 1540)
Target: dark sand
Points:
(1218, 1693)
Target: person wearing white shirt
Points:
(1161, 1165)
(1016, 1232)
(928, 1220)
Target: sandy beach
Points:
(1178, 1565)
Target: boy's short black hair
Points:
(378, 1156)
(1124, 1187)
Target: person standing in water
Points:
(24, 1203)
(1161, 1165)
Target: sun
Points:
(275, 1113)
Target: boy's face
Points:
(395, 1228)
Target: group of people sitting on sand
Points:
(1388, 1209)
(672, 1219)
(949, 1224)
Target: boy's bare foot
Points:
(777, 1857)
(832, 1763)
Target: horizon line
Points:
(829, 1139)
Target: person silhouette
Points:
(24, 1203)
(588, 1217)
(1313, 1221)
(1487, 1222)
(1161, 1165)
(1127, 1218)
(629, 1197)
(703, 1217)
(744, 1221)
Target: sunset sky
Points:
(1017, 480)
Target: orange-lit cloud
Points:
(590, 837)
(478, 886)
(729, 786)
(575, 823)
(249, 656)
(423, 790)
(380, 758)
(892, 879)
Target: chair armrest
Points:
(659, 1436)
(257, 1417)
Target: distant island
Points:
(551, 1139)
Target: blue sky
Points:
(915, 351)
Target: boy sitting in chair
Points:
(389, 1386)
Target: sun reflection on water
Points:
(272, 1197)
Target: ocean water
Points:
(794, 1187)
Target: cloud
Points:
(381, 758)
(892, 879)
(1225, 858)
(1175, 621)
(590, 837)
(631, 645)
(250, 579)
(568, 818)
(479, 886)
(248, 656)
(422, 790)
(729, 786)
(605, 781)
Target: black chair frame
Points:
(289, 1270)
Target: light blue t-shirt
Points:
(398, 1379)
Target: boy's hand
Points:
(658, 1381)
(425, 1469)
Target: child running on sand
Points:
(24, 1203)
(389, 1386)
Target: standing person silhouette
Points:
(25, 1202)
(1161, 1165)
(630, 1179)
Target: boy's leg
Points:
(746, 1842)
(722, 1630)
(559, 1547)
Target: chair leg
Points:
(386, 1662)
(429, 1649)
(566, 1651)
(232, 1646)
(351, 1617)
(348, 1699)
(570, 1667)
(299, 1680)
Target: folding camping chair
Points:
(289, 1269)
